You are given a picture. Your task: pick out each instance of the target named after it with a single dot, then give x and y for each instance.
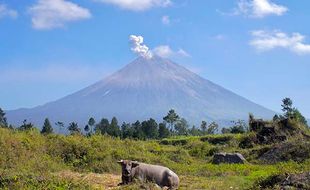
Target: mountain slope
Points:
(147, 88)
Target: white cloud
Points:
(48, 14)
(165, 20)
(6, 12)
(264, 40)
(138, 5)
(166, 52)
(138, 47)
(259, 8)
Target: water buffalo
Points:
(160, 175)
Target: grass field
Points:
(29, 160)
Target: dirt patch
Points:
(96, 181)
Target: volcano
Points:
(146, 88)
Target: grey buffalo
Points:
(160, 175)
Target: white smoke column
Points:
(138, 47)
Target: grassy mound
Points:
(285, 181)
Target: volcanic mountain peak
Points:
(147, 87)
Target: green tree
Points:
(102, 126)
(150, 129)
(292, 112)
(163, 131)
(181, 127)
(299, 117)
(74, 128)
(171, 118)
(127, 130)
(212, 128)
(137, 131)
(113, 129)
(3, 120)
(203, 127)
(47, 127)
(287, 107)
(91, 123)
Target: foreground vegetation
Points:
(33, 159)
(29, 160)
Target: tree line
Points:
(172, 125)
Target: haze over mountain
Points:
(147, 87)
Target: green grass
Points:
(29, 160)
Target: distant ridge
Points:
(147, 87)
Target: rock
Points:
(228, 158)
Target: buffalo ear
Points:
(135, 164)
(120, 162)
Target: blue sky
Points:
(259, 49)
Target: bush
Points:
(220, 139)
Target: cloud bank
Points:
(264, 41)
(48, 14)
(6, 12)
(137, 5)
(259, 8)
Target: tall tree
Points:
(287, 107)
(91, 123)
(114, 129)
(150, 129)
(47, 127)
(181, 127)
(102, 126)
(163, 131)
(127, 130)
(74, 128)
(137, 131)
(292, 112)
(3, 121)
(171, 118)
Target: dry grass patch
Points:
(96, 181)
